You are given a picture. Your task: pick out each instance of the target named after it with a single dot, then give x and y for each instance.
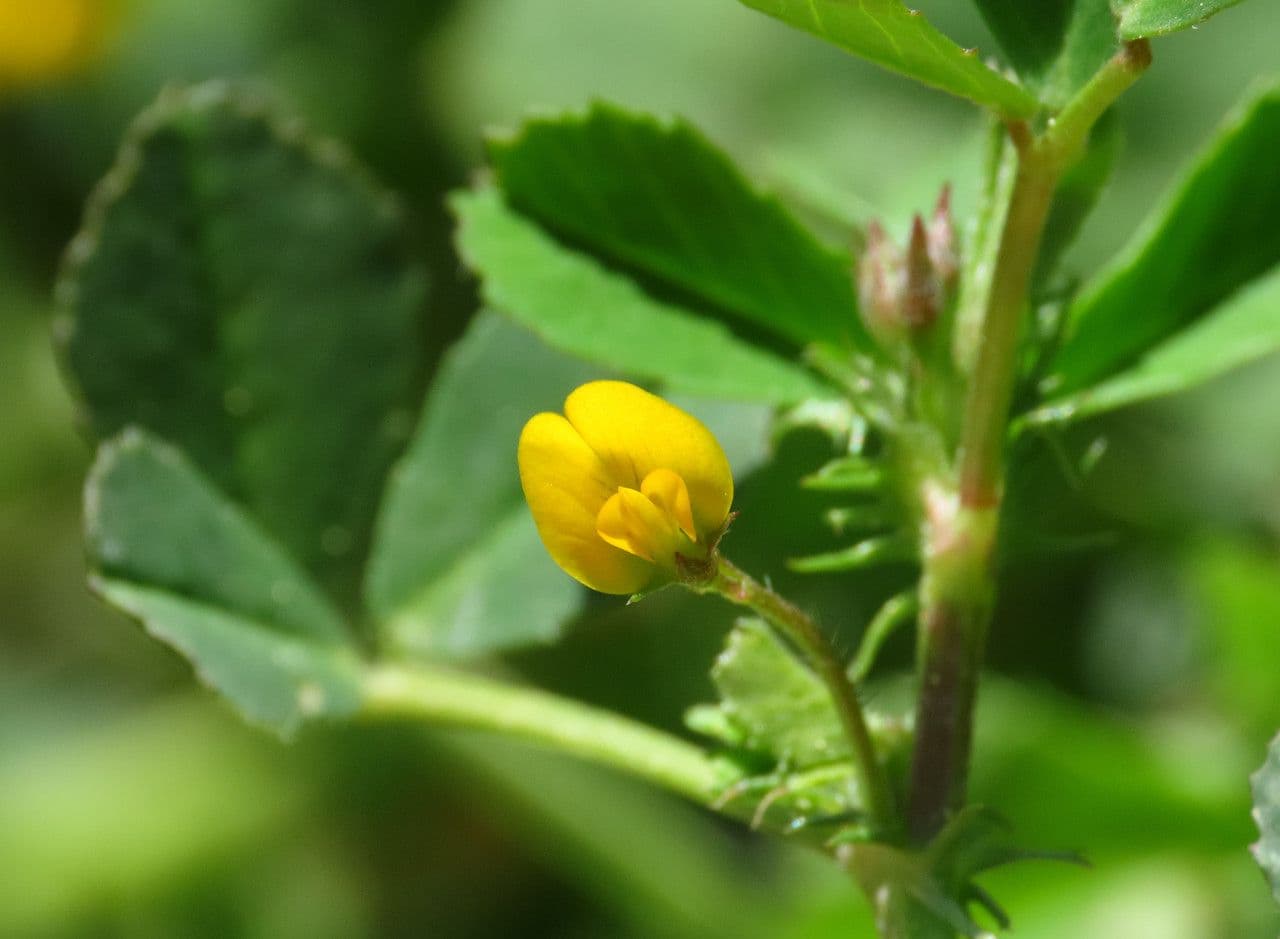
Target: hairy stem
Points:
(452, 698)
(793, 623)
(958, 585)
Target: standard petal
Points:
(635, 433)
(566, 485)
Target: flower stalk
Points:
(740, 588)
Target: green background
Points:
(1134, 666)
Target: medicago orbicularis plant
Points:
(262, 502)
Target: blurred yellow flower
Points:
(42, 39)
(621, 484)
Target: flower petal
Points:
(668, 492)
(635, 433)
(566, 485)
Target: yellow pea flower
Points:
(44, 39)
(621, 484)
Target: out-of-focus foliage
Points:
(131, 808)
(453, 524)
(1266, 800)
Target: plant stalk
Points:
(958, 583)
(453, 698)
(739, 587)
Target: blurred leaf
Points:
(166, 547)
(1078, 192)
(1239, 593)
(243, 291)
(1122, 789)
(902, 40)
(665, 869)
(578, 306)
(1140, 18)
(1243, 329)
(659, 197)
(778, 702)
(1215, 232)
(1266, 812)
(1055, 45)
(108, 810)
(456, 567)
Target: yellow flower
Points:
(43, 39)
(621, 484)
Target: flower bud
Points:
(901, 295)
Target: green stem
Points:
(459, 699)
(958, 584)
(738, 587)
(1041, 161)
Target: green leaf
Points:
(902, 40)
(457, 568)
(1244, 329)
(168, 548)
(576, 305)
(244, 292)
(779, 704)
(1140, 18)
(1055, 45)
(657, 196)
(1215, 233)
(1266, 812)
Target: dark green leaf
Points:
(658, 197)
(1266, 812)
(168, 548)
(1140, 18)
(902, 40)
(243, 292)
(582, 308)
(1216, 232)
(1055, 45)
(1242, 330)
(457, 568)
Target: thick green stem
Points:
(739, 587)
(452, 698)
(958, 584)
(1041, 161)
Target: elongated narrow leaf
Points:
(890, 34)
(1140, 18)
(1055, 45)
(1242, 330)
(167, 547)
(1215, 233)
(243, 292)
(580, 307)
(457, 567)
(657, 196)
(1266, 812)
